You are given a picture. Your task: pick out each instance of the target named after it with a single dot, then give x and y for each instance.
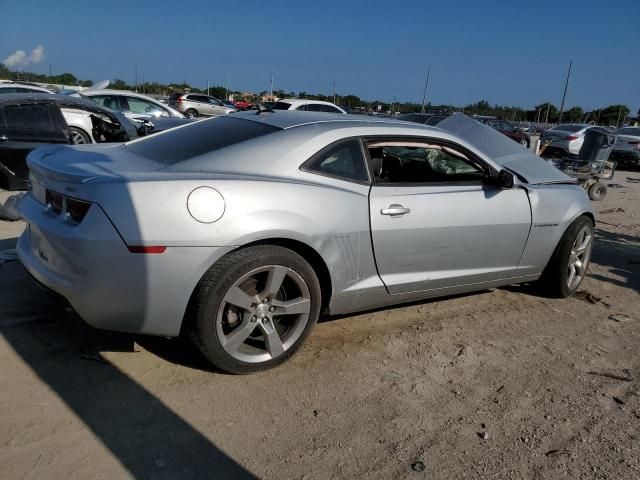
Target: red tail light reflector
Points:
(143, 249)
(571, 137)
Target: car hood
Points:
(503, 151)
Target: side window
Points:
(107, 101)
(305, 108)
(138, 105)
(28, 117)
(343, 160)
(418, 162)
(330, 109)
(214, 101)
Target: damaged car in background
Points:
(240, 231)
(28, 121)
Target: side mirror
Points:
(505, 179)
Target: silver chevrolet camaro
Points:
(240, 231)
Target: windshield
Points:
(198, 138)
(568, 128)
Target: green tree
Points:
(352, 100)
(614, 114)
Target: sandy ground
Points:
(498, 384)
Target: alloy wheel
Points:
(77, 138)
(263, 314)
(579, 257)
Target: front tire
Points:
(568, 265)
(254, 308)
(191, 113)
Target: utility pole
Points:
(426, 85)
(271, 91)
(50, 72)
(334, 87)
(207, 87)
(227, 99)
(135, 73)
(538, 115)
(564, 94)
(618, 120)
(546, 117)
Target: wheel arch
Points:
(307, 252)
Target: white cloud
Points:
(19, 58)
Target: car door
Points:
(23, 128)
(216, 107)
(435, 223)
(141, 108)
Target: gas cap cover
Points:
(206, 204)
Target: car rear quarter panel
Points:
(553, 209)
(328, 215)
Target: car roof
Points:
(294, 118)
(62, 101)
(24, 85)
(304, 101)
(109, 91)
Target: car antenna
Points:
(263, 108)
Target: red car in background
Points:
(242, 105)
(509, 130)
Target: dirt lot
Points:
(499, 384)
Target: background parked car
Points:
(132, 104)
(306, 106)
(242, 105)
(197, 104)
(424, 118)
(78, 120)
(33, 120)
(626, 149)
(509, 130)
(566, 139)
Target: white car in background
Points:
(79, 121)
(132, 104)
(626, 150)
(567, 138)
(306, 105)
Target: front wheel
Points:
(254, 308)
(524, 142)
(568, 265)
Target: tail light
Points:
(571, 138)
(636, 143)
(74, 209)
(179, 101)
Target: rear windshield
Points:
(199, 138)
(568, 128)
(281, 106)
(629, 131)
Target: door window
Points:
(343, 160)
(28, 117)
(418, 162)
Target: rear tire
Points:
(597, 191)
(191, 113)
(254, 308)
(570, 260)
(79, 137)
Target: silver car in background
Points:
(241, 230)
(197, 105)
(566, 139)
(626, 149)
(132, 104)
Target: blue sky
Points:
(506, 52)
